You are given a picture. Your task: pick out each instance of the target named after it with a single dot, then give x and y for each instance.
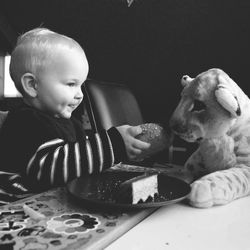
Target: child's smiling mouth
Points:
(73, 106)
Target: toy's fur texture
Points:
(215, 112)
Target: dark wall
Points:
(150, 45)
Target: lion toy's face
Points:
(209, 106)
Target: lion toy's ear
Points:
(227, 99)
(185, 80)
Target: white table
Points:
(181, 227)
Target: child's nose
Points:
(79, 94)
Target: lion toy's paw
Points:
(207, 193)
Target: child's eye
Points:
(71, 84)
(198, 106)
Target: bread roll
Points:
(156, 135)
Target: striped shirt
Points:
(38, 151)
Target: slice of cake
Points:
(137, 189)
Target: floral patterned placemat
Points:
(67, 225)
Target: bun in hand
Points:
(156, 135)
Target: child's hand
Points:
(134, 147)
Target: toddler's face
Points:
(59, 83)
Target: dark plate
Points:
(100, 189)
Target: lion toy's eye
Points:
(198, 106)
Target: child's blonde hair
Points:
(34, 50)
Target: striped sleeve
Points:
(56, 162)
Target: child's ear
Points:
(29, 84)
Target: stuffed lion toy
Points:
(215, 113)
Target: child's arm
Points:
(57, 162)
(32, 145)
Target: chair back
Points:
(3, 116)
(110, 104)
